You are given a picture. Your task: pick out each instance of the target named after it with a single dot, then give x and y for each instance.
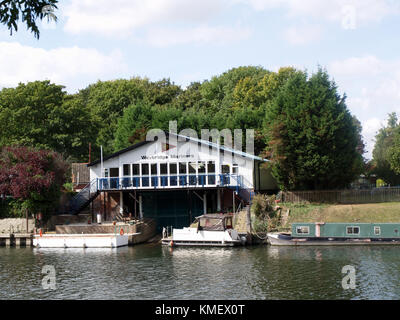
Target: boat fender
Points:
(171, 243)
(121, 232)
(41, 233)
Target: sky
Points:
(356, 41)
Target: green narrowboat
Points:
(351, 233)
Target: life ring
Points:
(121, 232)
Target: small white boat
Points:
(211, 230)
(80, 240)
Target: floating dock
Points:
(80, 240)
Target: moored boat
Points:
(321, 234)
(210, 230)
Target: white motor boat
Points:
(210, 230)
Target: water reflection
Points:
(155, 272)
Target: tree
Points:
(219, 92)
(32, 177)
(40, 114)
(29, 11)
(385, 151)
(133, 125)
(394, 152)
(312, 138)
(107, 101)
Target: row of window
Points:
(304, 230)
(156, 169)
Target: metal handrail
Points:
(175, 180)
(84, 195)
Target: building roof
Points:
(187, 138)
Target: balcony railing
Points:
(170, 181)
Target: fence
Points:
(375, 195)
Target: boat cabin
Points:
(346, 230)
(214, 222)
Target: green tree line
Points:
(301, 122)
(386, 154)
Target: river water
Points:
(151, 271)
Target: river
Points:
(151, 271)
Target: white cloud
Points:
(372, 126)
(358, 66)
(159, 23)
(19, 63)
(124, 16)
(383, 76)
(370, 129)
(161, 37)
(345, 12)
(301, 35)
(373, 88)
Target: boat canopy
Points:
(214, 222)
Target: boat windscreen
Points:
(210, 224)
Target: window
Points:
(228, 223)
(135, 169)
(211, 166)
(353, 230)
(211, 172)
(172, 168)
(225, 168)
(173, 180)
(145, 169)
(182, 167)
(192, 167)
(303, 230)
(202, 167)
(106, 173)
(377, 231)
(127, 170)
(235, 169)
(114, 172)
(154, 169)
(163, 169)
(145, 172)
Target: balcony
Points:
(180, 181)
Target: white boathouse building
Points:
(174, 181)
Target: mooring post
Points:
(205, 202)
(233, 201)
(248, 226)
(26, 215)
(135, 204)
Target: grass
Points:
(368, 213)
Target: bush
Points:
(11, 208)
(32, 178)
(266, 217)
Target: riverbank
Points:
(367, 213)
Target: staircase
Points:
(83, 198)
(240, 221)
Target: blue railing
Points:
(171, 181)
